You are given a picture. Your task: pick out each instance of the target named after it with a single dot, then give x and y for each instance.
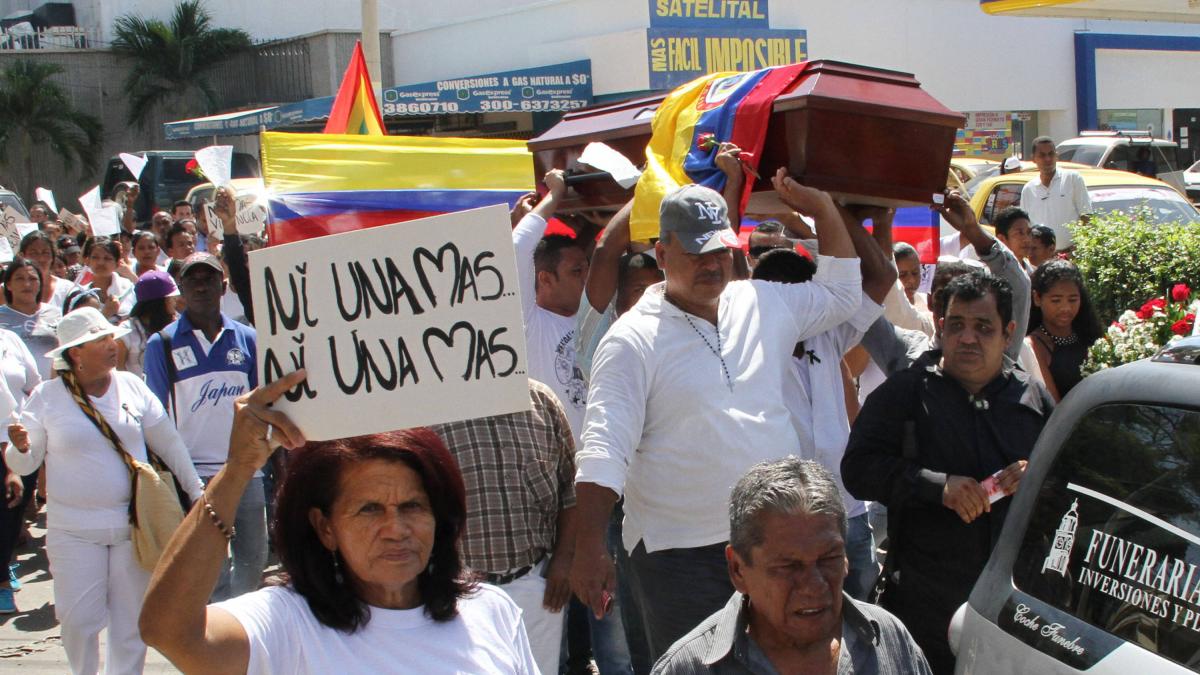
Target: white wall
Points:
(1147, 79)
(263, 19)
(965, 58)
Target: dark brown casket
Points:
(868, 135)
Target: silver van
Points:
(1097, 569)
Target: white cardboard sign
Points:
(46, 196)
(106, 222)
(216, 161)
(399, 326)
(134, 163)
(8, 227)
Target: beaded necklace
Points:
(1060, 341)
(716, 352)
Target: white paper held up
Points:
(605, 158)
(47, 196)
(136, 164)
(6, 250)
(106, 222)
(216, 161)
(24, 229)
(90, 201)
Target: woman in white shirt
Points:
(97, 581)
(18, 377)
(102, 256)
(38, 247)
(32, 320)
(367, 531)
(154, 310)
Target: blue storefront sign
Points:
(564, 86)
(679, 55)
(724, 14)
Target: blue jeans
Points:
(676, 589)
(860, 550)
(242, 572)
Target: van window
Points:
(1115, 537)
(1002, 197)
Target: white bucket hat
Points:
(82, 326)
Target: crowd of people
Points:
(720, 439)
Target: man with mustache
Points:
(943, 445)
(686, 395)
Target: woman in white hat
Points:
(97, 581)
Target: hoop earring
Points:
(337, 569)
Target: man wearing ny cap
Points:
(197, 367)
(686, 396)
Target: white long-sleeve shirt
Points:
(815, 396)
(549, 337)
(87, 482)
(19, 376)
(663, 425)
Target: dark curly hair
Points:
(1085, 324)
(313, 480)
(974, 286)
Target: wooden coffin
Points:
(868, 135)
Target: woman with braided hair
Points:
(86, 425)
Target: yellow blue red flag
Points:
(355, 110)
(329, 183)
(689, 125)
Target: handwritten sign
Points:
(8, 227)
(399, 326)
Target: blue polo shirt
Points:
(208, 379)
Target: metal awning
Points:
(243, 122)
(1170, 11)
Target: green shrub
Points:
(1126, 259)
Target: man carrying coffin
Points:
(686, 396)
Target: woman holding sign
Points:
(367, 530)
(81, 424)
(103, 255)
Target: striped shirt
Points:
(519, 471)
(873, 643)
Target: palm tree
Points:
(36, 112)
(174, 61)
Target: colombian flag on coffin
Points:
(355, 110)
(329, 183)
(732, 107)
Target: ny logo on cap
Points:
(709, 211)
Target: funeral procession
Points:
(600, 337)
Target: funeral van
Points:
(1097, 569)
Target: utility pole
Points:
(370, 44)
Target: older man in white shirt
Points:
(1057, 196)
(686, 395)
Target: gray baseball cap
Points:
(699, 218)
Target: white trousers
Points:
(543, 626)
(98, 584)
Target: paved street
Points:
(29, 640)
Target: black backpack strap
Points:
(172, 374)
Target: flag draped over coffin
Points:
(330, 183)
(355, 110)
(732, 107)
(919, 226)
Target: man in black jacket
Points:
(930, 442)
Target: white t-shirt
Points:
(20, 376)
(1062, 202)
(486, 637)
(87, 483)
(667, 428)
(549, 337)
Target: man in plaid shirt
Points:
(519, 471)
